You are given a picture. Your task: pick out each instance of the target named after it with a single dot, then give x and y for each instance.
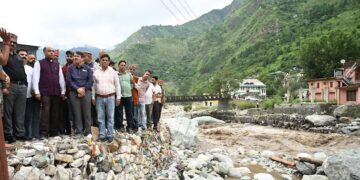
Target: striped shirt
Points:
(106, 82)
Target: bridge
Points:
(196, 98)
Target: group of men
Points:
(42, 99)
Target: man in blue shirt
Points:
(80, 79)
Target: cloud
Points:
(69, 23)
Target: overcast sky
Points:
(71, 23)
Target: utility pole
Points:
(4, 174)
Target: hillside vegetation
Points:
(247, 38)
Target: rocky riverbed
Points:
(201, 148)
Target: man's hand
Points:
(5, 91)
(63, 97)
(37, 97)
(81, 92)
(93, 102)
(117, 102)
(5, 36)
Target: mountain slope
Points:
(254, 39)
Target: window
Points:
(331, 84)
(318, 85)
(324, 83)
(351, 95)
(312, 84)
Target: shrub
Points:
(243, 104)
(270, 103)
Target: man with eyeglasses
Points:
(15, 101)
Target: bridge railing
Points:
(195, 98)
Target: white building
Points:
(251, 86)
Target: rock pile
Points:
(129, 156)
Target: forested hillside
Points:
(247, 38)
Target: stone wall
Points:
(322, 123)
(303, 109)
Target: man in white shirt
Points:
(142, 86)
(106, 88)
(156, 103)
(49, 88)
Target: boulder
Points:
(23, 153)
(349, 129)
(11, 171)
(321, 120)
(347, 111)
(183, 131)
(267, 154)
(263, 176)
(50, 170)
(28, 173)
(39, 161)
(305, 168)
(207, 120)
(79, 154)
(320, 155)
(235, 173)
(345, 120)
(64, 158)
(224, 158)
(62, 174)
(314, 177)
(347, 162)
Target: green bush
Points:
(243, 104)
(187, 107)
(270, 103)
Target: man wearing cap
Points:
(49, 88)
(88, 61)
(93, 66)
(15, 101)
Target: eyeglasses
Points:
(13, 42)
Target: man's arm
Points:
(89, 82)
(4, 53)
(62, 81)
(36, 77)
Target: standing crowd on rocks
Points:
(41, 98)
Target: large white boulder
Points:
(207, 120)
(321, 120)
(183, 131)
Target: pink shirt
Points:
(106, 82)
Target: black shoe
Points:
(110, 139)
(102, 139)
(23, 138)
(122, 129)
(10, 139)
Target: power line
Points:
(170, 11)
(192, 12)
(187, 12)
(178, 10)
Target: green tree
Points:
(319, 57)
(222, 83)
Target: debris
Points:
(283, 161)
